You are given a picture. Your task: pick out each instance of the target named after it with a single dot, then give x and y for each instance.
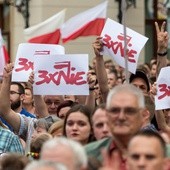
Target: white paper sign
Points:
(61, 75)
(113, 38)
(162, 99)
(25, 57)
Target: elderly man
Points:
(126, 112)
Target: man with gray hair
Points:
(126, 112)
(66, 151)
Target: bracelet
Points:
(162, 54)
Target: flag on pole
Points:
(4, 57)
(90, 22)
(47, 32)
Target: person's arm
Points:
(162, 49)
(40, 106)
(6, 112)
(100, 68)
(90, 99)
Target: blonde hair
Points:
(56, 127)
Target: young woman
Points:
(77, 124)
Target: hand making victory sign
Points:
(162, 37)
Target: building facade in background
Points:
(13, 22)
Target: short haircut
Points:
(128, 88)
(152, 134)
(20, 87)
(13, 161)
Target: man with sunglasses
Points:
(126, 112)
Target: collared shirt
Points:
(113, 148)
(94, 150)
(9, 142)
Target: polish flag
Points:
(4, 57)
(90, 22)
(47, 32)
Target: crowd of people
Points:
(115, 127)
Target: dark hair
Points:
(85, 111)
(14, 161)
(66, 103)
(156, 135)
(20, 87)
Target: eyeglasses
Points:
(14, 92)
(129, 111)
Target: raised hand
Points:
(8, 70)
(162, 37)
(98, 46)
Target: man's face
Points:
(101, 128)
(52, 103)
(145, 154)
(141, 84)
(124, 115)
(15, 97)
(111, 80)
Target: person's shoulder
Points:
(26, 113)
(6, 132)
(95, 147)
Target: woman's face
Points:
(78, 127)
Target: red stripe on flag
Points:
(50, 38)
(94, 27)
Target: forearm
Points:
(161, 61)
(102, 77)
(6, 112)
(90, 101)
(40, 106)
(4, 96)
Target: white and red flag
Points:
(90, 22)
(4, 57)
(47, 32)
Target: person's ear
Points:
(145, 114)
(22, 97)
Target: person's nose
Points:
(141, 162)
(53, 106)
(105, 128)
(75, 126)
(122, 115)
